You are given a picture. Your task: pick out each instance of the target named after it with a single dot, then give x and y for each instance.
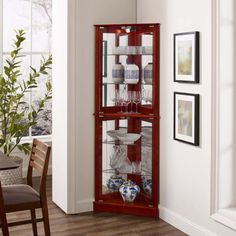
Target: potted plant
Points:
(16, 116)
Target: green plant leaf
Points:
(15, 116)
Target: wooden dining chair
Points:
(22, 197)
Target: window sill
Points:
(43, 138)
(226, 216)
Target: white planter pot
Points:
(131, 74)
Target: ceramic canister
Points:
(129, 191)
(147, 186)
(114, 183)
(131, 74)
(148, 73)
(118, 73)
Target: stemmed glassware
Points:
(124, 98)
(147, 96)
(136, 98)
(127, 99)
(120, 99)
(115, 97)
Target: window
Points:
(223, 181)
(34, 16)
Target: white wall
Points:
(73, 99)
(60, 104)
(184, 169)
(101, 12)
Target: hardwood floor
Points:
(89, 224)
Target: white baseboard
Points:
(84, 205)
(183, 223)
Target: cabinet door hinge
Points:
(101, 114)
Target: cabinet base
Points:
(130, 209)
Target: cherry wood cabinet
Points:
(124, 108)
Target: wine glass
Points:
(127, 99)
(114, 96)
(137, 99)
(120, 99)
(132, 98)
(144, 95)
(147, 96)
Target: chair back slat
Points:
(39, 161)
(37, 166)
(38, 152)
(40, 145)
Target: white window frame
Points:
(46, 138)
(225, 216)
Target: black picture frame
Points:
(186, 118)
(186, 57)
(104, 58)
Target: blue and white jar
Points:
(114, 183)
(131, 74)
(118, 73)
(147, 185)
(129, 191)
(148, 73)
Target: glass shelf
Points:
(126, 115)
(143, 173)
(132, 50)
(128, 54)
(117, 142)
(124, 83)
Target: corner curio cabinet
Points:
(127, 119)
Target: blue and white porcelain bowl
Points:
(129, 191)
(147, 186)
(114, 183)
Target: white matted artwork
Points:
(186, 118)
(186, 57)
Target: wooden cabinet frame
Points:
(112, 202)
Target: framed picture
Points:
(186, 57)
(104, 58)
(186, 118)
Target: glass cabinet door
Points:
(127, 68)
(126, 155)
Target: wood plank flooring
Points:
(89, 224)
